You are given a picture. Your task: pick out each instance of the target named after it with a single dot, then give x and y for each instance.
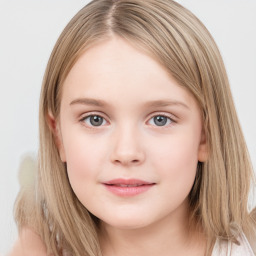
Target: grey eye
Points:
(160, 120)
(94, 120)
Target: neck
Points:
(171, 235)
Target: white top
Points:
(224, 248)
(227, 248)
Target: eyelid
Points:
(93, 113)
(168, 115)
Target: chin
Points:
(127, 223)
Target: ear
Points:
(203, 148)
(55, 129)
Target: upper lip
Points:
(128, 182)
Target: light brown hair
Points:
(183, 46)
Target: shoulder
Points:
(223, 248)
(243, 248)
(28, 243)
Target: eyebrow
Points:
(88, 101)
(166, 103)
(154, 103)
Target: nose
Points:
(127, 148)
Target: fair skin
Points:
(131, 138)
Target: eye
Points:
(94, 120)
(160, 120)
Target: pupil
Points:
(96, 120)
(160, 120)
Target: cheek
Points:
(83, 157)
(176, 161)
(178, 150)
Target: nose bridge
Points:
(127, 148)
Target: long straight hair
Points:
(175, 38)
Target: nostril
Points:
(127, 161)
(125, 157)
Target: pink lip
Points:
(128, 187)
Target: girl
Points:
(141, 152)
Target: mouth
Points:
(128, 187)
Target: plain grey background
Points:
(28, 31)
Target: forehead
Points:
(116, 69)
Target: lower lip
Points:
(128, 191)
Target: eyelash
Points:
(82, 120)
(169, 119)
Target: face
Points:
(130, 135)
